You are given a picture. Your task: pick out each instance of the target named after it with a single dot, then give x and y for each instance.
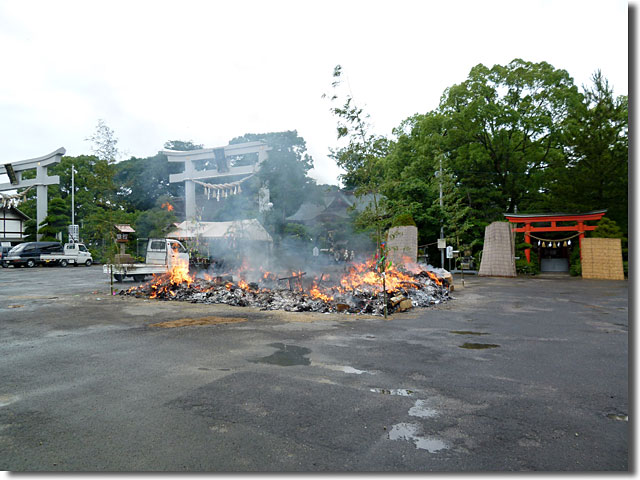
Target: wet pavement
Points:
(91, 382)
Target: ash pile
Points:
(356, 291)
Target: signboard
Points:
(74, 233)
(442, 243)
(449, 251)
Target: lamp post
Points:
(441, 220)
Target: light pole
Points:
(441, 220)
(73, 191)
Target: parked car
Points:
(3, 253)
(29, 253)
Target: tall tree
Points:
(104, 143)
(362, 156)
(142, 181)
(504, 129)
(285, 172)
(56, 220)
(182, 146)
(597, 148)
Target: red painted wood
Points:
(556, 229)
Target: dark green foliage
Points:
(575, 266)
(154, 223)
(607, 228)
(285, 173)
(30, 230)
(522, 266)
(56, 221)
(142, 181)
(594, 172)
(297, 231)
(403, 219)
(182, 146)
(515, 136)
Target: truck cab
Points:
(165, 251)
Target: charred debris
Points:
(357, 289)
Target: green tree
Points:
(154, 223)
(597, 148)
(182, 146)
(142, 181)
(504, 128)
(56, 221)
(454, 214)
(285, 172)
(410, 168)
(362, 156)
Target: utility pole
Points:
(73, 191)
(441, 221)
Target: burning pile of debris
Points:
(359, 290)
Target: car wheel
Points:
(31, 263)
(138, 278)
(118, 277)
(63, 263)
(88, 263)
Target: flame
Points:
(314, 292)
(168, 206)
(362, 277)
(179, 273)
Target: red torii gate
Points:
(553, 218)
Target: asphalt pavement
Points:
(525, 374)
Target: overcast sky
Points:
(208, 71)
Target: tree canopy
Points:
(519, 137)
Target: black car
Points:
(29, 253)
(3, 253)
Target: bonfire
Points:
(357, 290)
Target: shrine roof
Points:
(555, 215)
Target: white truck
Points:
(73, 254)
(162, 255)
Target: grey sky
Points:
(208, 71)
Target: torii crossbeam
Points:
(220, 155)
(15, 169)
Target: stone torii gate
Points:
(14, 171)
(221, 157)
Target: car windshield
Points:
(17, 249)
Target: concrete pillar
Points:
(262, 155)
(41, 201)
(189, 192)
(190, 199)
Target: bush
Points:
(575, 268)
(402, 220)
(297, 231)
(522, 266)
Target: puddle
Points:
(618, 416)
(188, 322)
(342, 368)
(412, 433)
(478, 346)
(7, 400)
(286, 356)
(421, 410)
(467, 332)
(394, 391)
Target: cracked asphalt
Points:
(87, 384)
